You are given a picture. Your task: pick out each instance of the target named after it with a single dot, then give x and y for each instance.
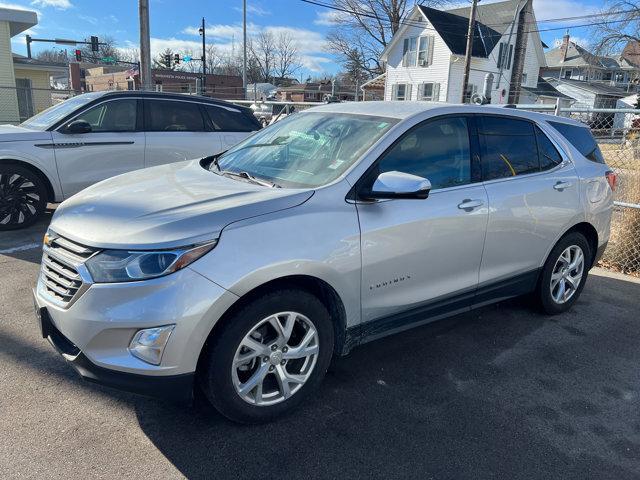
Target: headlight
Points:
(126, 266)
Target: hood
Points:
(14, 133)
(167, 206)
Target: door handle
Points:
(468, 204)
(560, 186)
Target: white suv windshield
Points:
(305, 150)
(51, 115)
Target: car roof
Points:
(172, 96)
(403, 110)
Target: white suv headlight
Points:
(127, 266)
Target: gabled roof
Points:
(545, 89)
(578, 56)
(493, 20)
(453, 27)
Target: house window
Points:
(425, 51)
(401, 91)
(524, 78)
(417, 51)
(429, 92)
(409, 52)
(505, 53)
(568, 73)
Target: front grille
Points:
(60, 274)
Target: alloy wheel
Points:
(567, 274)
(275, 359)
(19, 199)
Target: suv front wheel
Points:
(23, 197)
(269, 356)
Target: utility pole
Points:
(244, 47)
(204, 59)
(145, 45)
(467, 56)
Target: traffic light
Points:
(94, 44)
(167, 61)
(176, 58)
(78, 55)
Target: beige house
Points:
(25, 87)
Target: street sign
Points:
(186, 58)
(108, 59)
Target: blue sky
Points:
(174, 23)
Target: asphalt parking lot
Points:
(501, 392)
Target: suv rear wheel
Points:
(23, 197)
(564, 273)
(268, 357)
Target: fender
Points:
(45, 161)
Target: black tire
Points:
(544, 292)
(23, 197)
(215, 375)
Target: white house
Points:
(425, 58)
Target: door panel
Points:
(170, 147)
(526, 216)
(533, 196)
(112, 147)
(417, 251)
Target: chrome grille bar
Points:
(59, 274)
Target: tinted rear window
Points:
(507, 147)
(231, 121)
(581, 138)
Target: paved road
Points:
(498, 393)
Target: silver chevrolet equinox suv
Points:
(244, 273)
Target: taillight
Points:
(612, 180)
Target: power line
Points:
(486, 34)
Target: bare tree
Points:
(287, 59)
(129, 55)
(622, 26)
(263, 51)
(53, 55)
(108, 50)
(363, 28)
(214, 59)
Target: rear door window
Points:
(174, 116)
(548, 153)
(224, 120)
(581, 139)
(507, 147)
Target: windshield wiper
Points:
(251, 178)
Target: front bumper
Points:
(93, 334)
(177, 388)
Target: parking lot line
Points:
(20, 248)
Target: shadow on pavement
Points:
(501, 392)
(25, 244)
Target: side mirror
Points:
(398, 185)
(78, 126)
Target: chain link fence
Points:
(23, 101)
(617, 132)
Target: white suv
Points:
(246, 272)
(94, 136)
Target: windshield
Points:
(305, 150)
(51, 115)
